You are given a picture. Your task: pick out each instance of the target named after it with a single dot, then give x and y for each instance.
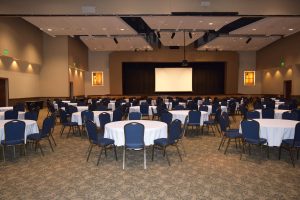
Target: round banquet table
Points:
(137, 109)
(169, 105)
(275, 130)
(76, 117)
(21, 115)
(277, 113)
(153, 131)
(3, 109)
(181, 115)
(31, 128)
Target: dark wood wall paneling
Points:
(139, 77)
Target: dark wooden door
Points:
(71, 92)
(287, 89)
(3, 92)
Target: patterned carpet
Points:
(205, 173)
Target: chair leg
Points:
(223, 138)
(24, 145)
(298, 153)
(242, 151)
(228, 142)
(53, 139)
(152, 152)
(292, 157)
(145, 158)
(3, 153)
(115, 149)
(124, 157)
(62, 130)
(50, 144)
(100, 156)
(178, 152)
(167, 155)
(183, 147)
(279, 154)
(89, 150)
(249, 148)
(38, 143)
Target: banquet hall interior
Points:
(137, 99)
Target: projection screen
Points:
(173, 80)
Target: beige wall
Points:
(247, 62)
(77, 53)
(22, 65)
(98, 61)
(77, 77)
(54, 75)
(268, 60)
(167, 55)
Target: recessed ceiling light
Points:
(104, 29)
(122, 29)
(254, 29)
(49, 29)
(210, 23)
(291, 29)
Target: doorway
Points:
(71, 92)
(3, 92)
(287, 89)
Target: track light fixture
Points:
(115, 40)
(249, 39)
(173, 35)
(190, 35)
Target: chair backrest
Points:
(252, 115)
(135, 116)
(226, 118)
(117, 114)
(175, 104)
(175, 131)
(297, 134)
(91, 129)
(101, 107)
(203, 108)
(87, 115)
(72, 109)
(166, 117)
(194, 117)
(178, 107)
(31, 115)
(134, 135)
(267, 113)
(223, 123)
(192, 106)
(214, 108)
(19, 107)
(250, 129)
(11, 114)
(14, 131)
(81, 103)
(184, 126)
(144, 108)
(63, 116)
(47, 126)
(290, 115)
(104, 118)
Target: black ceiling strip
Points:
(244, 21)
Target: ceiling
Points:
(134, 33)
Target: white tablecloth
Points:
(277, 113)
(275, 130)
(224, 109)
(3, 109)
(68, 102)
(76, 117)
(169, 105)
(137, 109)
(181, 115)
(153, 131)
(82, 108)
(21, 115)
(31, 127)
(111, 106)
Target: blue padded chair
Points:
(20, 107)
(31, 115)
(11, 114)
(81, 103)
(203, 108)
(175, 104)
(86, 115)
(97, 140)
(290, 115)
(250, 132)
(227, 133)
(194, 119)
(14, 132)
(144, 109)
(101, 107)
(267, 113)
(154, 113)
(71, 110)
(252, 115)
(166, 117)
(178, 107)
(134, 139)
(104, 118)
(44, 133)
(292, 144)
(213, 123)
(135, 116)
(175, 134)
(66, 123)
(117, 114)
(53, 118)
